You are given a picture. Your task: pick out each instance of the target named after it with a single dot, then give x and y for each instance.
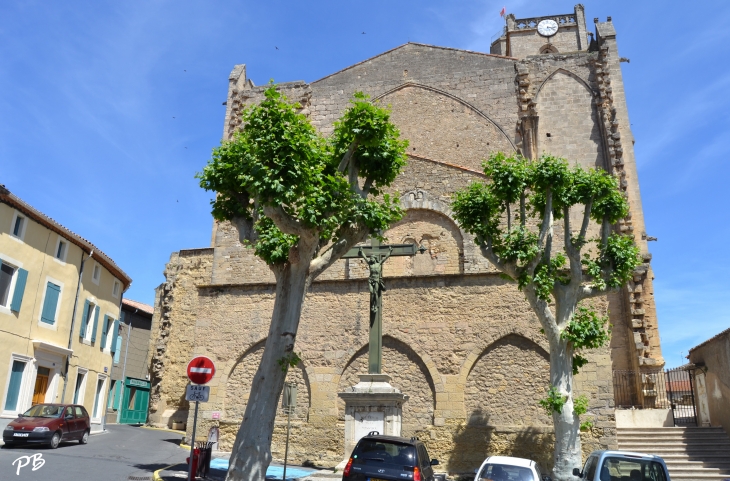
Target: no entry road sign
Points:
(201, 370)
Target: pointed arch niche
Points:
(409, 374)
(506, 382)
(569, 125)
(443, 127)
(240, 378)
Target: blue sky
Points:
(107, 110)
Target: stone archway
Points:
(240, 378)
(409, 374)
(512, 371)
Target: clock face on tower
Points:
(547, 28)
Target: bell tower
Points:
(563, 33)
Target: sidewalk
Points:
(219, 469)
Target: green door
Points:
(135, 401)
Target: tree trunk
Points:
(566, 423)
(251, 454)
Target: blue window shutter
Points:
(96, 322)
(118, 394)
(118, 351)
(104, 330)
(16, 377)
(82, 329)
(19, 290)
(115, 335)
(49, 305)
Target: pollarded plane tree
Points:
(300, 201)
(512, 217)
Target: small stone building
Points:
(459, 340)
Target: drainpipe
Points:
(124, 366)
(73, 323)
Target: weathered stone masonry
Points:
(460, 341)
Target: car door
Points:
(69, 424)
(425, 463)
(82, 420)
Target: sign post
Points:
(289, 402)
(200, 371)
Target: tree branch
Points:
(544, 314)
(545, 239)
(486, 248)
(509, 218)
(576, 268)
(348, 155)
(348, 238)
(288, 224)
(586, 220)
(523, 217)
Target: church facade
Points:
(459, 340)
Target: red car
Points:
(49, 424)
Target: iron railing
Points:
(672, 389)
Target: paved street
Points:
(115, 456)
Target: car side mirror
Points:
(577, 473)
(435, 462)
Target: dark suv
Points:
(389, 458)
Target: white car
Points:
(506, 468)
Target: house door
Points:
(41, 385)
(135, 402)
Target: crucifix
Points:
(376, 255)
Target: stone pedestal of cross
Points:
(376, 255)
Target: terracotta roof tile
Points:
(138, 305)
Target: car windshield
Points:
(377, 451)
(44, 411)
(627, 469)
(505, 472)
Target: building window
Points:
(115, 288)
(12, 286)
(96, 275)
(89, 321)
(107, 333)
(50, 303)
(14, 383)
(7, 273)
(61, 249)
(98, 398)
(80, 386)
(17, 228)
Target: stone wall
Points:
(172, 340)
(459, 340)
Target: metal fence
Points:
(671, 389)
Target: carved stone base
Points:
(371, 405)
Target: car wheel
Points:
(85, 438)
(55, 440)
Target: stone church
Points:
(460, 341)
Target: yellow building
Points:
(59, 314)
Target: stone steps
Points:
(690, 453)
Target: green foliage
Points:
(290, 360)
(580, 405)
(586, 425)
(482, 209)
(279, 159)
(554, 401)
(587, 330)
(578, 362)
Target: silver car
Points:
(624, 466)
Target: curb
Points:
(163, 429)
(156, 474)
